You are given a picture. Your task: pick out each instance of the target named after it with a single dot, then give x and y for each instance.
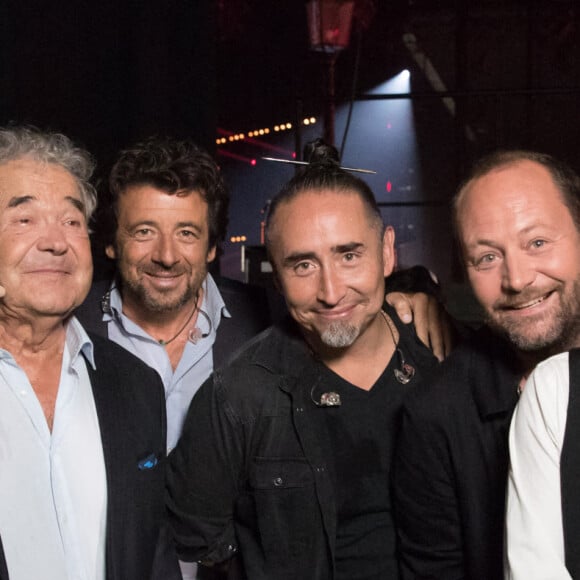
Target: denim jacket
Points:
(251, 471)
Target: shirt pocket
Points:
(286, 507)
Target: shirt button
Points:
(278, 481)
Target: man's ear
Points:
(211, 253)
(389, 258)
(110, 252)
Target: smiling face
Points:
(45, 256)
(330, 261)
(161, 248)
(522, 252)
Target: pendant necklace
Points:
(166, 342)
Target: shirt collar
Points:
(78, 341)
(213, 304)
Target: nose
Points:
(165, 252)
(53, 239)
(331, 288)
(518, 273)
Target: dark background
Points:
(107, 73)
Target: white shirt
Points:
(535, 538)
(52, 485)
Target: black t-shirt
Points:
(362, 436)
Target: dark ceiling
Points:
(511, 66)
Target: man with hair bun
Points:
(285, 454)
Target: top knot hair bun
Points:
(318, 151)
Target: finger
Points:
(437, 329)
(420, 304)
(449, 334)
(400, 303)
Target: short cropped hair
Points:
(565, 178)
(173, 166)
(54, 148)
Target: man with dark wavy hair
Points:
(166, 216)
(162, 226)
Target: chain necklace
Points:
(166, 342)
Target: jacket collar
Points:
(283, 350)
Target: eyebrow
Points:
(528, 230)
(178, 225)
(20, 200)
(345, 248)
(296, 257)
(76, 203)
(23, 199)
(190, 225)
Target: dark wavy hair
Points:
(323, 172)
(172, 166)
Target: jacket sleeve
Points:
(425, 500)
(203, 474)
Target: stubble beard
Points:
(534, 336)
(159, 301)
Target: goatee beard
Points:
(339, 335)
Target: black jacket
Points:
(265, 487)
(451, 466)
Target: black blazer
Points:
(130, 403)
(248, 305)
